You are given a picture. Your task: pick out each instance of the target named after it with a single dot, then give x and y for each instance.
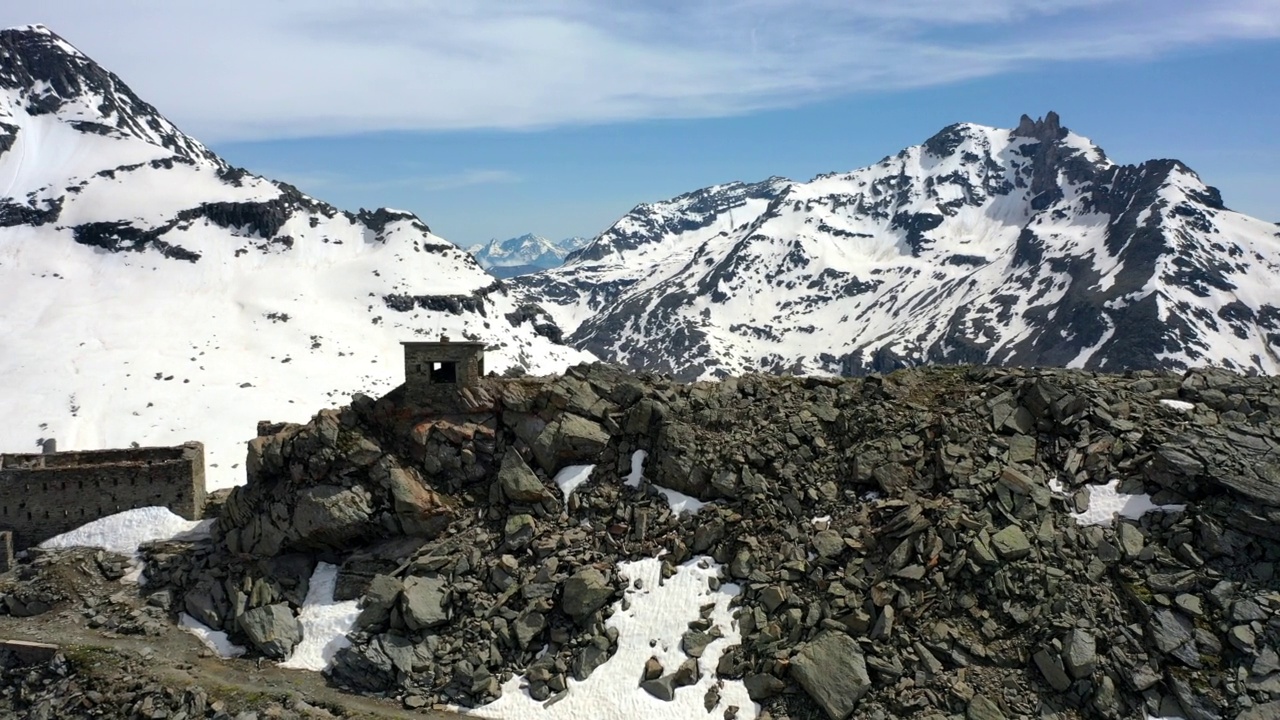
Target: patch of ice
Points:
(1182, 405)
(679, 502)
(124, 532)
(1105, 502)
(325, 623)
(571, 477)
(870, 495)
(215, 640)
(652, 626)
(637, 469)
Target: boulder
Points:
(419, 510)
(330, 515)
(518, 482)
(585, 592)
(379, 598)
(571, 439)
(833, 671)
(422, 603)
(272, 629)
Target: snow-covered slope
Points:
(524, 254)
(982, 245)
(151, 293)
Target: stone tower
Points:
(434, 372)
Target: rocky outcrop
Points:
(905, 545)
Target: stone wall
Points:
(6, 551)
(48, 494)
(425, 388)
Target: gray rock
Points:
(828, 543)
(1130, 538)
(207, 602)
(379, 598)
(518, 482)
(422, 603)
(570, 439)
(662, 688)
(833, 671)
(652, 669)
(1011, 543)
(687, 674)
(1264, 711)
(528, 626)
(1051, 667)
(763, 686)
(594, 654)
(695, 642)
(519, 531)
(980, 708)
(272, 629)
(330, 515)
(1168, 630)
(585, 592)
(1079, 654)
(1242, 638)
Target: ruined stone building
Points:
(435, 372)
(47, 494)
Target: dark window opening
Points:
(480, 368)
(443, 373)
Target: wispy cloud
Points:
(238, 69)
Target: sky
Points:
(491, 118)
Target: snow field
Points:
(325, 622)
(650, 620)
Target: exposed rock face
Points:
(905, 545)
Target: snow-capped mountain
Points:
(524, 254)
(151, 293)
(982, 245)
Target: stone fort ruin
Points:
(47, 494)
(436, 372)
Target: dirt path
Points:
(178, 659)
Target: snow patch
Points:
(1182, 405)
(659, 613)
(215, 640)
(124, 532)
(637, 469)
(679, 502)
(325, 622)
(1106, 502)
(569, 478)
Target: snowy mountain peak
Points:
(981, 245)
(523, 254)
(151, 293)
(44, 75)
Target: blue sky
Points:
(558, 117)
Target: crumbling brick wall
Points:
(48, 494)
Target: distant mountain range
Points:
(1022, 246)
(152, 293)
(525, 254)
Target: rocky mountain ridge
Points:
(1023, 246)
(152, 293)
(931, 543)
